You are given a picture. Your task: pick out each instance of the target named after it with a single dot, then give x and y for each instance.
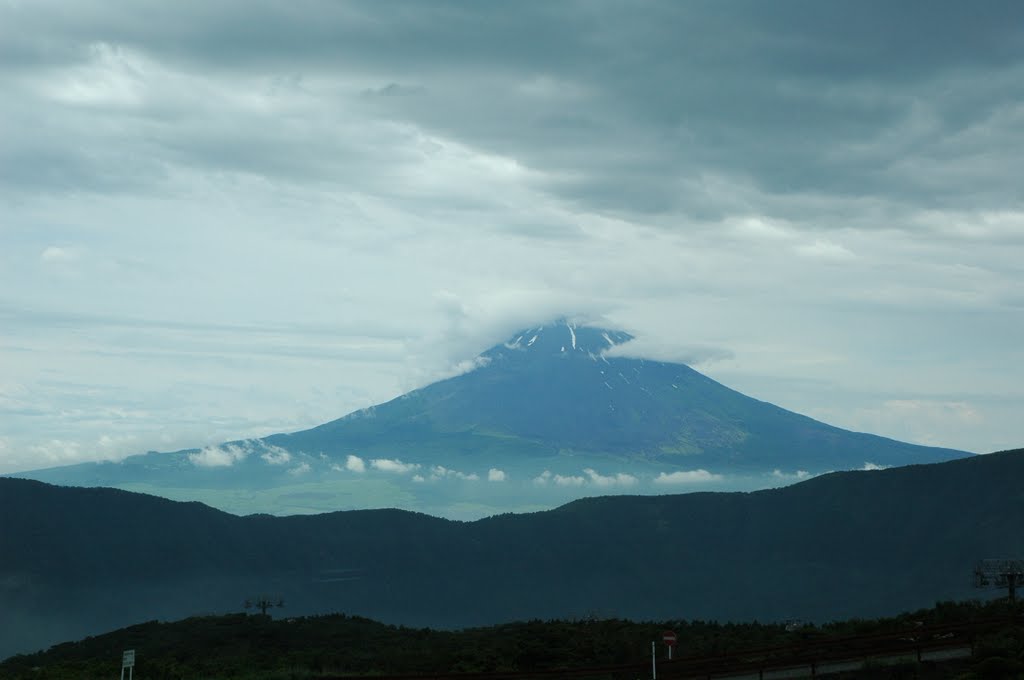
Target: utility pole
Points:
(1000, 573)
(263, 603)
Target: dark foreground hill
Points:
(77, 560)
(551, 415)
(250, 647)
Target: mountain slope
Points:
(845, 544)
(553, 390)
(548, 416)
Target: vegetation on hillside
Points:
(256, 647)
(78, 561)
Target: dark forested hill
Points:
(251, 647)
(76, 560)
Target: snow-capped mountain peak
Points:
(563, 337)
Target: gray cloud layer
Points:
(282, 212)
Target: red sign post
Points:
(670, 639)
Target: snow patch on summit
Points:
(589, 342)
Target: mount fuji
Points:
(549, 415)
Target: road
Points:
(805, 671)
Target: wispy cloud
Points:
(590, 477)
(394, 466)
(224, 455)
(699, 476)
(825, 250)
(618, 479)
(666, 349)
(438, 472)
(792, 476)
(58, 254)
(275, 455)
(300, 469)
(548, 477)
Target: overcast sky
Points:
(223, 219)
